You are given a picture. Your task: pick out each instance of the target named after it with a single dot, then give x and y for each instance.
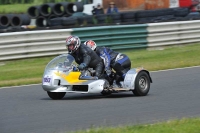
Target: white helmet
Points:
(73, 43)
(91, 44)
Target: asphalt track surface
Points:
(174, 94)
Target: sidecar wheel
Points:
(142, 84)
(56, 95)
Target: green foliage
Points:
(109, 20)
(21, 6)
(94, 20)
(32, 1)
(15, 8)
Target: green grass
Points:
(20, 72)
(175, 126)
(30, 71)
(15, 8)
(172, 57)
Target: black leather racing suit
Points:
(85, 55)
(119, 62)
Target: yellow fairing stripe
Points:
(72, 77)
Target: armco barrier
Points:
(52, 42)
(116, 37)
(173, 33)
(32, 44)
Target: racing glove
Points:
(82, 66)
(75, 69)
(108, 72)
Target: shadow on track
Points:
(93, 96)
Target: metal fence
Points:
(28, 44)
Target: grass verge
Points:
(14, 8)
(175, 126)
(30, 71)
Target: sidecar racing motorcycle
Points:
(61, 76)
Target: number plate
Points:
(47, 80)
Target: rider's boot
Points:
(119, 84)
(118, 79)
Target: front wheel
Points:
(142, 84)
(56, 95)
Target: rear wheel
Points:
(142, 84)
(56, 95)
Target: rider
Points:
(84, 56)
(118, 61)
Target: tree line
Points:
(32, 1)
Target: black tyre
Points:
(128, 20)
(156, 19)
(58, 9)
(56, 95)
(193, 17)
(181, 12)
(116, 21)
(6, 20)
(128, 15)
(41, 22)
(115, 16)
(47, 9)
(21, 19)
(90, 19)
(55, 21)
(101, 18)
(80, 20)
(142, 84)
(69, 7)
(165, 18)
(79, 6)
(145, 20)
(53, 16)
(154, 13)
(34, 11)
(68, 21)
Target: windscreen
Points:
(62, 62)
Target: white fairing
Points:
(63, 65)
(129, 80)
(94, 86)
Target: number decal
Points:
(47, 80)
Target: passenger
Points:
(112, 60)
